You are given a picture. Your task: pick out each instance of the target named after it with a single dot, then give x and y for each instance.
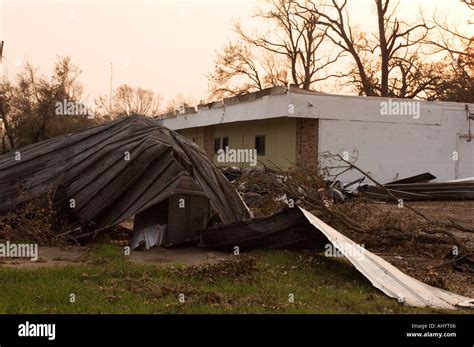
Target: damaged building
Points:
(390, 138)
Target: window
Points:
(217, 144)
(260, 144)
(225, 142)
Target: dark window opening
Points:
(260, 144)
(225, 142)
(217, 144)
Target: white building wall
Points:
(391, 150)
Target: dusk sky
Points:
(166, 46)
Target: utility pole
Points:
(110, 92)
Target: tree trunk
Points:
(8, 131)
(383, 49)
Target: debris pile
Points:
(349, 208)
(411, 190)
(241, 267)
(440, 247)
(35, 219)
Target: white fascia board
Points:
(368, 109)
(323, 106)
(271, 106)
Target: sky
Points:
(163, 45)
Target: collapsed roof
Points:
(114, 171)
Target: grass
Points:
(261, 282)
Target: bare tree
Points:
(393, 44)
(456, 82)
(236, 61)
(469, 3)
(127, 101)
(178, 102)
(238, 70)
(456, 68)
(295, 44)
(450, 39)
(34, 99)
(6, 91)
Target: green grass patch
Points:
(259, 282)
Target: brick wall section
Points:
(209, 141)
(307, 132)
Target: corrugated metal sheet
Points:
(286, 229)
(90, 167)
(388, 278)
(460, 190)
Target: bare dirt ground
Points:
(183, 256)
(461, 211)
(60, 256)
(49, 256)
(430, 264)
